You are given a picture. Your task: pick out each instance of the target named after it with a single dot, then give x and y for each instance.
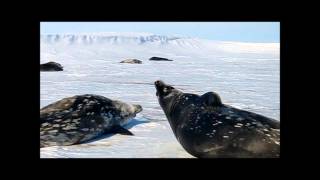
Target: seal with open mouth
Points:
(207, 128)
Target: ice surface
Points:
(245, 75)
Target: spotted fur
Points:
(77, 119)
(207, 128)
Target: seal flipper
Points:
(119, 129)
(211, 99)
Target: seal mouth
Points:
(159, 83)
(159, 86)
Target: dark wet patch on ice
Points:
(247, 90)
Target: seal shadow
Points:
(130, 125)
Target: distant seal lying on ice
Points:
(159, 59)
(77, 119)
(206, 128)
(51, 66)
(132, 61)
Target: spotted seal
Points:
(80, 118)
(207, 128)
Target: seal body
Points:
(51, 66)
(206, 128)
(132, 61)
(159, 59)
(78, 119)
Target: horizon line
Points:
(151, 34)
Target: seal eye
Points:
(165, 90)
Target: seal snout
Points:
(159, 84)
(137, 108)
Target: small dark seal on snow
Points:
(207, 128)
(77, 119)
(51, 66)
(159, 59)
(132, 61)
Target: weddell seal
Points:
(159, 59)
(51, 66)
(207, 128)
(77, 119)
(132, 61)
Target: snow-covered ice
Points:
(245, 75)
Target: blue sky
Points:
(227, 31)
